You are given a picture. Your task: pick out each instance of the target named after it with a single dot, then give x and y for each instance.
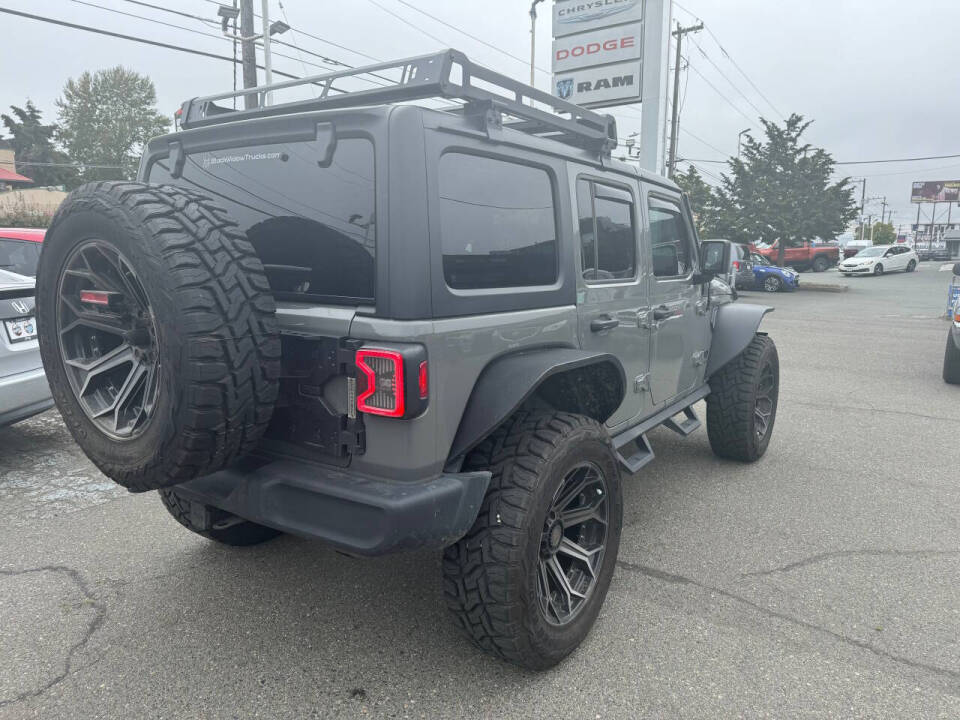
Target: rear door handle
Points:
(603, 323)
(662, 313)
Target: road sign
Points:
(599, 86)
(598, 47)
(578, 16)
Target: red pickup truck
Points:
(806, 256)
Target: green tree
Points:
(780, 191)
(702, 200)
(33, 143)
(106, 118)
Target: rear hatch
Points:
(18, 327)
(307, 203)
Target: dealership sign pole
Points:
(615, 52)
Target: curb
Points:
(823, 287)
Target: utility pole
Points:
(248, 51)
(533, 41)
(675, 123)
(267, 66)
(863, 202)
(883, 209)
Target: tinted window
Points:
(497, 223)
(669, 240)
(19, 256)
(608, 247)
(313, 223)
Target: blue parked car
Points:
(771, 278)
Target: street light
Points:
(533, 40)
(739, 136)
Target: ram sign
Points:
(598, 51)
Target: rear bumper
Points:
(358, 514)
(23, 395)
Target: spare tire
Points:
(158, 332)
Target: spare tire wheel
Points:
(157, 331)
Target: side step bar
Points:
(632, 445)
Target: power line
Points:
(718, 92)
(896, 160)
(733, 62)
(724, 76)
(407, 22)
(472, 37)
(704, 142)
(132, 38)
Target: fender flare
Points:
(733, 329)
(509, 380)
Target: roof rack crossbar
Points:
(448, 74)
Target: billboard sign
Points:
(598, 47)
(577, 16)
(600, 86)
(928, 191)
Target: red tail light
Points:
(423, 382)
(384, 392)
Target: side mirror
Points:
(956, 269)
(713, 257)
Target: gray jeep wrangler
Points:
(387, 327)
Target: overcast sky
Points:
(878, 77)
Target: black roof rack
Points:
(448, 74)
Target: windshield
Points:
(758, 259)
(870, 252)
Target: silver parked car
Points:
(23, 384)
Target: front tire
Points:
(742, 404)
(528, 581)
(225, 528)
(772, 284)
(951, 362)
(878, 269)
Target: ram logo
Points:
(565, 88)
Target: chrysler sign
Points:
(577, 16)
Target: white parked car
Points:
(878, 259)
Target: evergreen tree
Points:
(701, 198)
(33, 143)
(780, 191)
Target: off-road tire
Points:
(732, 402)
(239, 534)
(216, 333)
(820, 264)
(911, 266)
(951, 362)
(490, 575)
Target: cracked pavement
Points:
(823, 581)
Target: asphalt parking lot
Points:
(823, 581)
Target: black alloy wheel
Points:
(765, 402)
(572, 544)
(108, 340)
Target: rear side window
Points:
(19, 256)
(312, 222)
(608, 241)
(670, 241)
(497, 223)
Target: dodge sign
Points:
(599, 86)
(599, 47)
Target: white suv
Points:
(878, 259)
